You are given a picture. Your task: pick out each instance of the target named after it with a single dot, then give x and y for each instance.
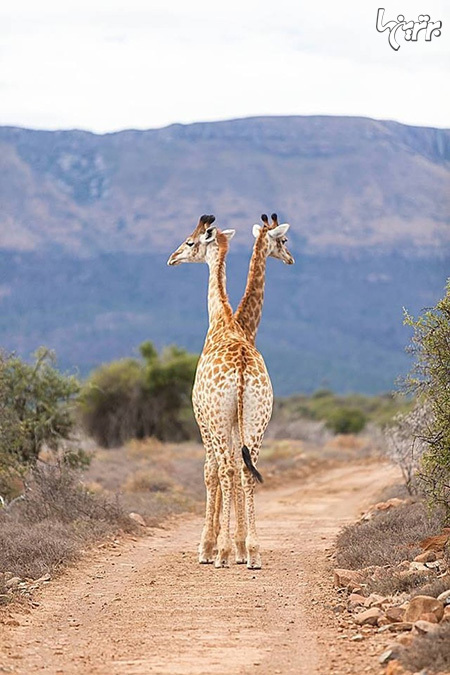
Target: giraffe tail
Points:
(246, 456)
(249, 464)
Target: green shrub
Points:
(36, 402)
(430, 381)
(345, 420)
(137, 398)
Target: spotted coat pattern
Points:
(232, 399)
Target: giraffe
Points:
(232, 399)
(270, 241)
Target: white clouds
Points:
(103, 66)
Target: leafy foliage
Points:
(134, 398)
(430, 380)
(35, 411)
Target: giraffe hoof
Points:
(221, 563)
(254, 564)
(241, 561)
(206, 561)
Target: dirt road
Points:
(148, 607)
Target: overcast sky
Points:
(112, 65)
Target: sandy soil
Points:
(146, 606)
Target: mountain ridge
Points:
(342, 182)
(88, 221)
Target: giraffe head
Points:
(203, 239)
(276, 236)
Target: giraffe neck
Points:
(219, 308)
(248, 314)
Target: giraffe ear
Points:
(256, 230)
(279, 231)
(210, 235)
(229, 234)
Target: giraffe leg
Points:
(226, 477)
(209, 536)
(240, 531)
(251, 541)
(217, 513)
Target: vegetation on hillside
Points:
(341, 414)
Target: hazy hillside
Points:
(347, 182)
(87, 223)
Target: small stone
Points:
(436, 543)
(427, 557)
(383, 621)
(357, 638)
(395, 614)
(385, 656)
(43, 579)
(369, 617)
(400, 626)
(422, 627)
(418, 567)
(446, 616)
(374, 600)
(349, 578)
(137, 518)
(423, 604)
(355, 600)
(444, 597)
(13, 582)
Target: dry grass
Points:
(32, 550)
(435, 587)
(390, 582)
(151, 480)
(389, 538)
(430, 652)
(55, 519)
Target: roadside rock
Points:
(374, 600)
(137, 518)
(436, 543)
(444, 597)
(428, 556)
(395, 614)
(424, 604)
(349, 578)
(382, 506)
(355, 600)
(369, 617)
(446, 616)
(386, 656)
(422, 627)
(400, 626)
(418, 567)
(429, 616)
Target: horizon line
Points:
(217, 121)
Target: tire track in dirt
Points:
(148, 607)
